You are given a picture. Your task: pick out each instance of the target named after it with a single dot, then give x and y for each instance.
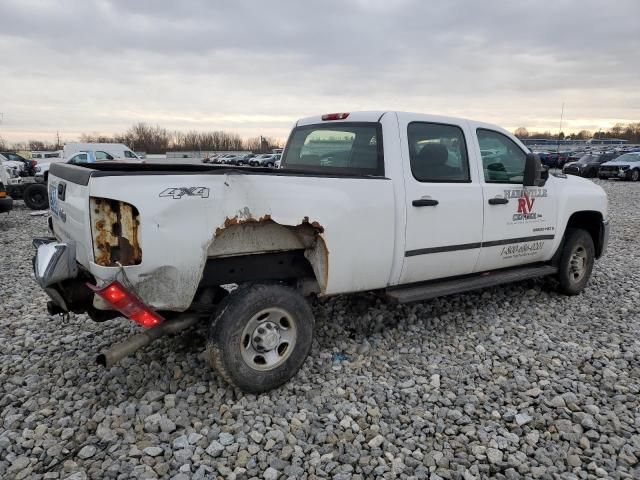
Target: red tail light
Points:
(127, 303)
(334, 116)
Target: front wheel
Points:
(36, 197)
(260, 336)
(576, 261)
(635, 175)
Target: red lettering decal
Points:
(522, 205)
(530, 203)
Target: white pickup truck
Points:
(412, 206)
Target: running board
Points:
(416, 292)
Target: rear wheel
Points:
(635, 175)
(576, 261)
(260, 336)
(36, 197)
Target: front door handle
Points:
(424, 202)
(498, 201)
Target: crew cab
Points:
(408, 205)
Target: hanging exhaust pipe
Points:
(117, 352)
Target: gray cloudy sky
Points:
(255, 66)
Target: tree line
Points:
(624, 131)
(143, 137)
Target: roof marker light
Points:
(334, 116)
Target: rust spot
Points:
(114, 232)
(230, 221)
(316, 226)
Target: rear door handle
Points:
(424, 202)
(498, 201)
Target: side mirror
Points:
(533, 176)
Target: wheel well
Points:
(291, 265)
(262, 249)
(591, 222)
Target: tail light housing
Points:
(128, 304)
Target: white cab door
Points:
(443, 200)
(519, 222)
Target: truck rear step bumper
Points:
(439, 288)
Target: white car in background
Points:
(36, 196)
(101, 152)
(11, 173)
(46, 155)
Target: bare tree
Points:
(521, 132)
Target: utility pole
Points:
(560, 131)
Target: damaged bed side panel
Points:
(345, 227)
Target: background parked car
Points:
(6, 202)
(589, 164)
(264, 160)
(26, 167)
(244, 159)
(626, 167)
(46, 155)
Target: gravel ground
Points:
(510, 382)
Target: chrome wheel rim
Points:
(578, 263)
(268, 339)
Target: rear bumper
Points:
(53, 264)
(6, 204)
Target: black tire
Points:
(576, 261)
(36, 197)
(635, 175)
(229, 343)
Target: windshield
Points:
(13, 157)
(629, 157)
(339, 148)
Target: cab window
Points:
(345, 148)
(79, 158)
(438, 153)
(129, 154)
(103, 156)
(502, 160)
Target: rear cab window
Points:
(344, 148)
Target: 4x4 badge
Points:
(179, 192)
